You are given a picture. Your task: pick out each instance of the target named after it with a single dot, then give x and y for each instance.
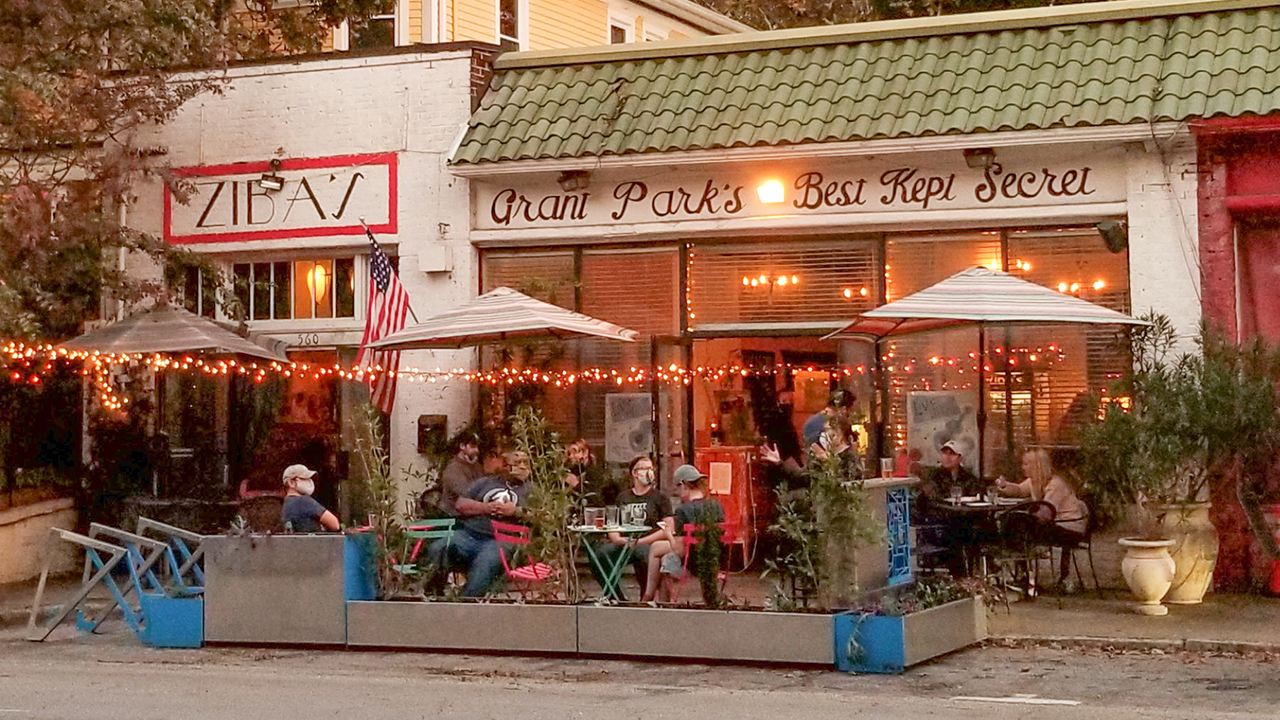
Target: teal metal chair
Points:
(419, 532)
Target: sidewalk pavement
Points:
(1222, 623)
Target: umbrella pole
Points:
(982, 398)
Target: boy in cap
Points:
(666, 557)
(301, 513)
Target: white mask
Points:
(305, 487)
(645, 476)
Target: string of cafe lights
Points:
(30, 364)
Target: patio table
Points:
(610, 570)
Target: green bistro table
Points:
(610, 569)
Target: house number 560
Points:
(311, 339)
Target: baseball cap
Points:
(294, 472)
(688, 474)
(951, 445)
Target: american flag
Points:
(388, 307)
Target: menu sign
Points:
(289, 199)
(870, 187)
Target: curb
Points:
(19, 618)
(1140, 644)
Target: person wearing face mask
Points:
(301, 513)
(644, 505)
(473, 547)
(461, 472)
(586, 477)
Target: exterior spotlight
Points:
(979, 157)
(270, 180)
(574, 180)
(771, 192)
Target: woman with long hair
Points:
(1071, 514)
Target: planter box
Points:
(885, 644)
(508, 627)
(706, 634)
(283, 588)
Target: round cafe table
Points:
(609, 569)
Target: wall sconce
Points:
(270, 180)
(979, 157)
(574, 180)
(771, 192)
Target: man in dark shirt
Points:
(461, 472)
(473, 546)
(641, 504)
(936, 485)
(945, 534)
(301, 513)
(590, 482)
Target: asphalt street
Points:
(111, 677)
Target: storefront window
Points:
(792, 285)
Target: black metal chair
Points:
(1084, 542)
(1021, 545)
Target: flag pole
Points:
(374, 240)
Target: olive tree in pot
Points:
(1181, 428)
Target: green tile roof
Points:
(792, 89)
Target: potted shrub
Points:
(1178, 430)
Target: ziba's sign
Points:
(873, 186)
(298, 198)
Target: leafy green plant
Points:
(1195, 421)
(820, 528)
(550, 504)
(382, 496)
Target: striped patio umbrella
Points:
(977, 297)
(498, 315)
(165, 329)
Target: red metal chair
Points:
(729, 535)
(525, 576)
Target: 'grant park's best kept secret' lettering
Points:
(900, 188)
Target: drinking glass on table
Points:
(612, 516)
(956, 493)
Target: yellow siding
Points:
(567, 23)
(415, 21)
(639, 29)
(448, 22)
(475, 20)
(676, 35)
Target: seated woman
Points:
(666, 556)
(643, 503)
(1071, 518)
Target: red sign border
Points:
(390, 227)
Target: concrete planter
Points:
(706, 634)
(283, 588)
(884, 644)
(508, 627)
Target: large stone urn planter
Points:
(1148, 570)
(1194, 552)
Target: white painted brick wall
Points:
(408, 103)
(1164, 266)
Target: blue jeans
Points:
(478, 555)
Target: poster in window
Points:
(628, 426)
(934, 417)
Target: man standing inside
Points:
(461, 472)
(473, 546)
(301, 513)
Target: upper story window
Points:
(378, 32)
(619, 32)
(296, 289)
(510, 20)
